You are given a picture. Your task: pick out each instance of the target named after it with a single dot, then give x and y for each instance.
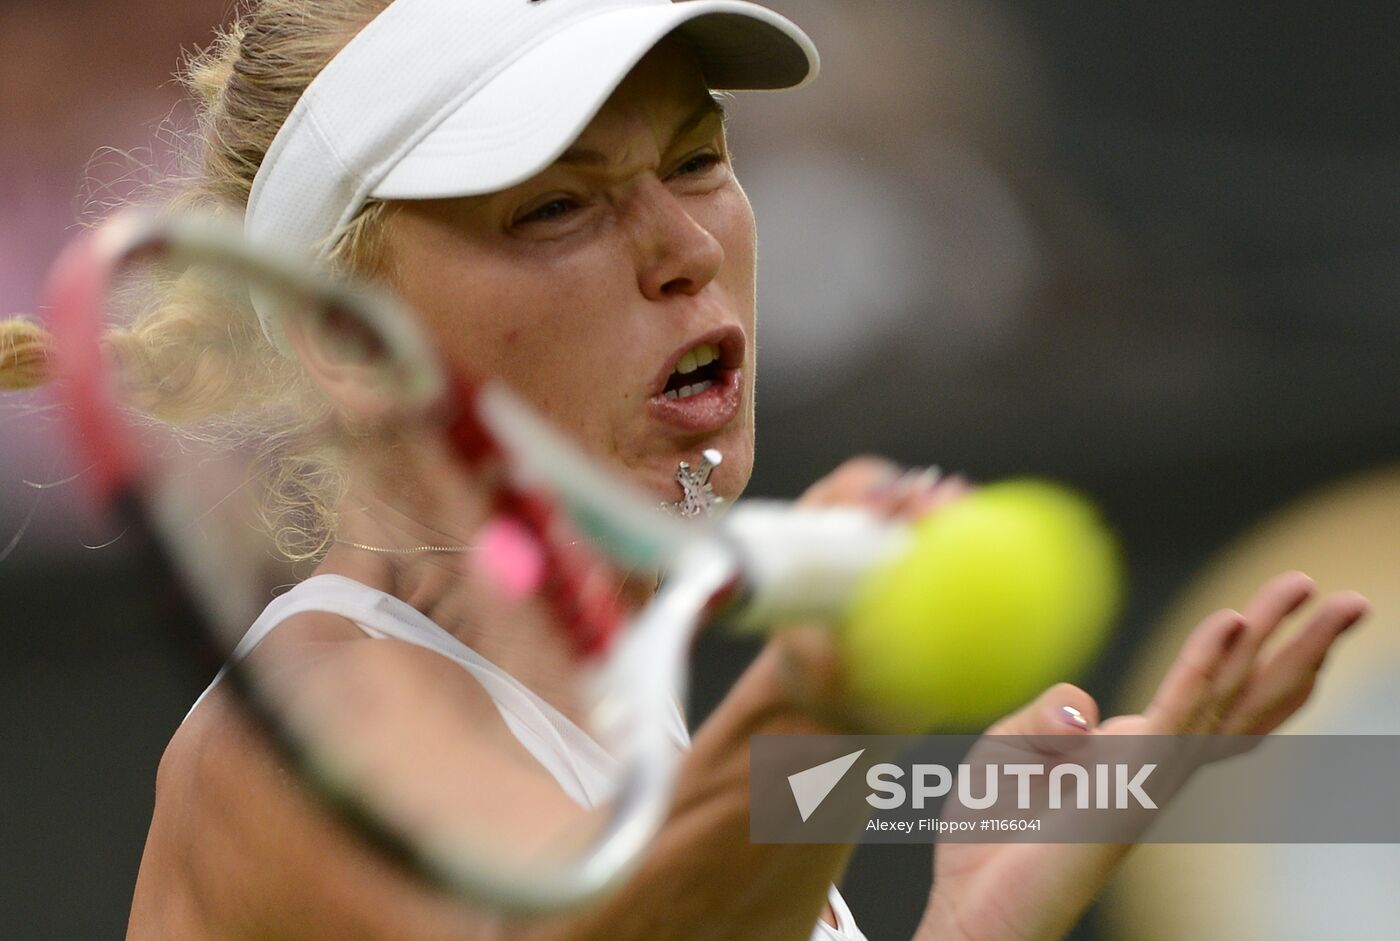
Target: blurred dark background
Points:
(1152, 249)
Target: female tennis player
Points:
(547, 182)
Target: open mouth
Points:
(701, 389)
(698, 371)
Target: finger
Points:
(815, 680)
(1278, 598)
(1189, 685)
(944, 492)
(1055, 722)
(1050, 729)
(853, 482)
(1275, 600)
(901, 498)
(810, 667)
(1282, 684)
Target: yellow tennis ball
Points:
(999, 595)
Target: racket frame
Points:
(753, 565)
(195, 596)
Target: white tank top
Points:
(582, 767)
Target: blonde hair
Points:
(206, 366)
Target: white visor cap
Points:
(534, 110)
(444, 98)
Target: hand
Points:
(885, 488)
(811, 667)
(1227, 680)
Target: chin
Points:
(658, 478)
(731, 479)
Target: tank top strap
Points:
(581, 766)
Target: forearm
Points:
(1031, 892)
(703, 878)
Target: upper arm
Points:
(261, 857)
(264, 859)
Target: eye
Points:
(556, 208)
(698, 164)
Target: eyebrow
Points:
(710, 108)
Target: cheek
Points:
(510, 317)
(546, 322)
(735, 228)
(551, 331)
(730, 220)
(561, 323)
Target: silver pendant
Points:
(697, 494)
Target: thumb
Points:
(1063, 709)
(810, 666)
(1056, 722)
(814, 679)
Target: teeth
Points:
(685, 392)
(702, 355)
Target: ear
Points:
(348, 360)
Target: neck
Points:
(450, 590)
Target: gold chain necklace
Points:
(383, 550)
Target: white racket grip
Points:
(804, 564)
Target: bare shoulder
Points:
(239, 849)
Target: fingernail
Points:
(1363, 608)
(1233, 635)
(1072, 716)
(889, 480)
(908, 483)
(920, 479)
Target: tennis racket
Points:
(518, 746)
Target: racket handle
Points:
(803, 564)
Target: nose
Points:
(676, 254)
